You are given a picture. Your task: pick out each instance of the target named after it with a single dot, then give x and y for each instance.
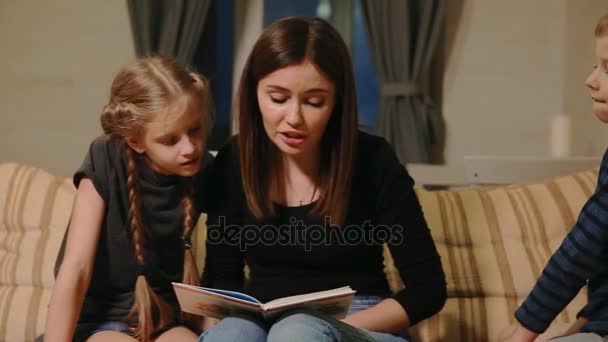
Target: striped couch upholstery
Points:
(34, 211)
(493, 244)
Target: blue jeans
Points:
(298, 325)
(581, 337)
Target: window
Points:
(213, 59)
(365, 77)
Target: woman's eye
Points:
(316, 104)
(278, 99)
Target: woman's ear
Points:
(135, 145)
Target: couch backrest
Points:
(494, 243)
(34, 211)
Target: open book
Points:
(220, 303)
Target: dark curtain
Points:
(403, 37)
(168, 27)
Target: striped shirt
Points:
(580, 260)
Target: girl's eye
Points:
(195, 130)
(169, 141)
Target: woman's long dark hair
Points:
(292, 41)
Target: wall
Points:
(503, 77)
(58, 58)
(511, 66)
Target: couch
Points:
(493, 242)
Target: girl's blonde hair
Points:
(142, 89)
(601, 28)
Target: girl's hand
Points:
(76, 269)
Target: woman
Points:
(307, 201)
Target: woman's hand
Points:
(386, 316)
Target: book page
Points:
(345, 291)
(200, 301)
(218, 303)
(336, 306)
(233, 294)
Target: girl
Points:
(307, 201)
(129, 234)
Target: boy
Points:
(582, 258)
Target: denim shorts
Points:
(85, 330)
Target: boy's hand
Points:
(517, 333)
(506, 333)
(576, 326)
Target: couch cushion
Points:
(494, 242)
(34, 212)
(35, 208)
